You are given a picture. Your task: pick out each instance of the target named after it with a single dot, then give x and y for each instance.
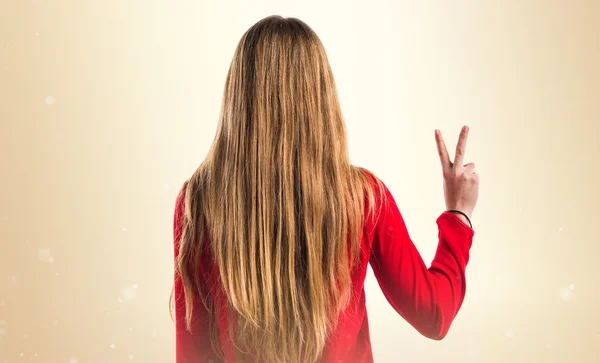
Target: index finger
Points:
(442, 150)
(461, 146)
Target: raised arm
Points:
(429, 298)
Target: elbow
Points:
(434, 333)
(437, 335)
(436, 328)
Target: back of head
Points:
(277, 198)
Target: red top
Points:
(427, 298)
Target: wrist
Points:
(464, 217)
(458, 208)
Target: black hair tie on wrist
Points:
(459, 212)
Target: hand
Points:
(461, 182)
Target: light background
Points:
(106, 107)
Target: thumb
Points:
(469, 168)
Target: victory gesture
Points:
(461, 182)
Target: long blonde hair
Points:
(277, 201)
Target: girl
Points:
(274, 231)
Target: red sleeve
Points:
(428, 298)
(194, 346)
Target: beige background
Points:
(107, 106)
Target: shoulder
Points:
(377, 197)
(180, 199)
(376, 191)
(179, 210)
